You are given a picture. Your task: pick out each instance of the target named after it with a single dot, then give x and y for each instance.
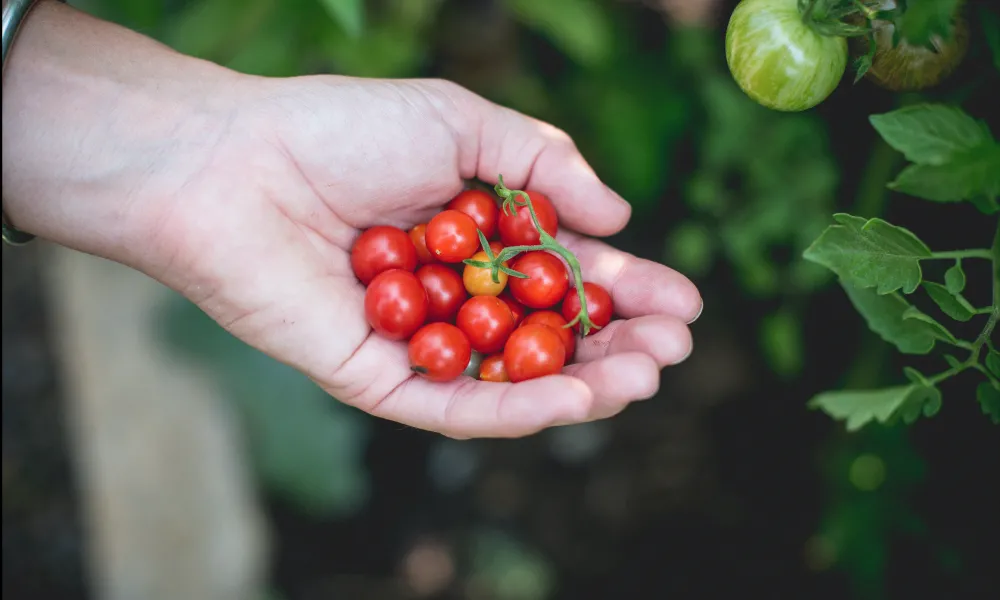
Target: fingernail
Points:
(688, 355)
(702, 308)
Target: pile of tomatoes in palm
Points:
(510, 323)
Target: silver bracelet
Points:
(14, 13)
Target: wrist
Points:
(101, 127)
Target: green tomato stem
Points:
(511, 200)
(953, 254)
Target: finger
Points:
(533, 155)
(667, 340)
(637, 286)
(617, 380)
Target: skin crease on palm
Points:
(245, 195)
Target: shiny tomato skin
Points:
(780, 61)
(533, 351)
(519, 230)
(418, 235)
(445, 291)
(547, 280)
(395, 304)
(451, 236)
(516, 308)
(558, 324)
(486, 321)
(479, 281)
(380, 249)
(439, 352)
(480, 206)
(599, 306)
(493, 369)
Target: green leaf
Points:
(931, 134)
(691, 248)
(870, 253)
(969, 174)
(987, 206)
(991, 31)
(954, 278)
(349, 14)
(860, 407)
(893, 319)
(921, 21)
(993, 362)
(781, 341)
(579, 27)
(916, 376)
(953, 362)
(989, 401)
(953, 305)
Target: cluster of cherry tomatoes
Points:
(435, 287)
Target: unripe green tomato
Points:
(778, 60)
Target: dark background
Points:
(723, 485)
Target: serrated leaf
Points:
(993, 362)
(968, 175)
(953, 305)
(870, 253)
(954, 278)
(860, 407)
(349, 14)
(938, 330)
(921, 21)
(989, 401)
(930, 134)
(890, 317)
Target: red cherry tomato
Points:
(519, 230)
(493, 369)
(486, 321)
(558, 324)
(445, 291)
(516, 308)
(439, 352)
(451, 236)
(533, 351)
(418, 235)
(547, 280)
(599, 305)
(481, 207)
(382, 248)
(395, 304)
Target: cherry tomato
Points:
(451, 236)
(418, 235)
(395, 304)
(481, 207)
(381, 248)
(533, 351)
(516, 308)
(439, 352)
(519, 230)
(558, 324)
(486, 321)
(479, 281)
(779, 60)
(599, 305)
(547, 280)
(445, 292)
(493, 369)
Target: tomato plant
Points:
(451, 236)
(545, 282)
(558, 324)
(486, 321)
(439, 352)
(481, 207)
(599, 304)
(517, 228)
(493, 369)
(382, 248)
(533, 351)
(396, 304)
(445, 291)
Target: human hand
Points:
(251, 209)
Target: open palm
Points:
(260, 239)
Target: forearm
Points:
(99, 124)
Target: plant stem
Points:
(807, 13)
(953, 254)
